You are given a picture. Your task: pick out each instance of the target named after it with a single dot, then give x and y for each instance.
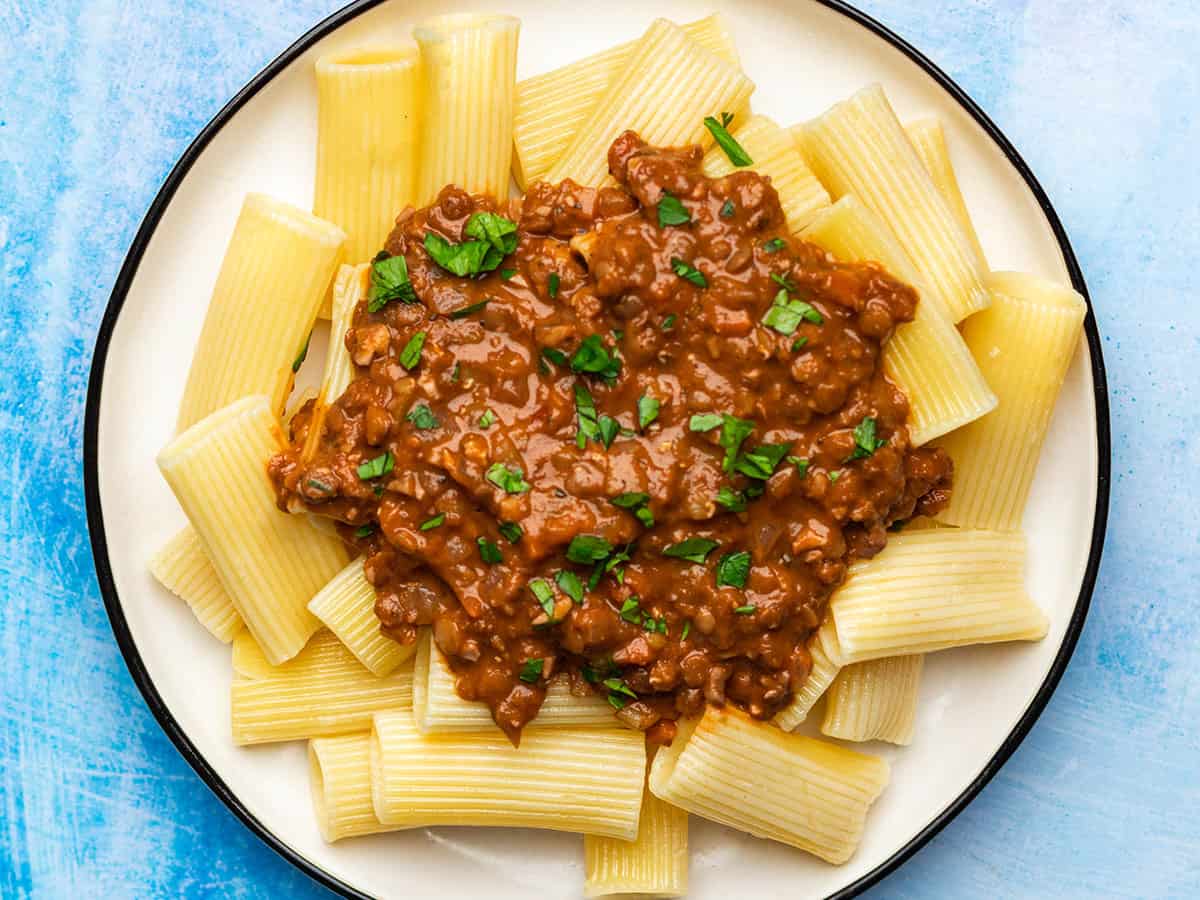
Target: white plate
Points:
(976, 704)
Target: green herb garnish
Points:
(531, 670)
(486, 420)
(687, 629)
(377, 467)
(586, 549)
(494, 238)
(669, 322)
(463, 312)
(694, 549)
(511, 481)
(671, 211)
(552, 285)
(363, 531)
(299, 360)
(785, 314)
(430, 524)
(733, 569)
(411, 354)
(745, 610)
(688, 272)
(489, 551)
(594, 358)
(734, 501)
(555, 356)
(544, 594)
(422, 418)
(800, 463)
(511, 531)
(506, 274)
(569, 583)
(647, 408)
(727, 210)
(389, 281)
(726, 141)
(760, 462)
(798, 343)
(774, 245)
(636, 502)
(865, 442)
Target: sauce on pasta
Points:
(634, 442)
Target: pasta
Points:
(469, 65)
(586, 780)
(926, 357)
(826, 663)
(339, 771)
(346, 606)
(933, 590)
(438, 708)
(875, 700)
(350, 287)
(367, 132)
(183, 569)
(666, 105)
(1024, 344)
(756, 778)
(859, 147)
(552, 107)
(323, 691)
(655, 863)
(273, 279)
(270, 563)
(774, 153)
(929, 140)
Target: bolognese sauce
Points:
(630, 437)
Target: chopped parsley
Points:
(734, 501)
(726, 141)
(569, 583)
(486, 420)
(669, 322)
(594, 358)
(647, 408)
(430, 524)
(760, 462)
(494, 237)
(637, 503)
(531, 670)
(800, 463)
(746, 610)
(733, 569)
(672, 212)
(363, 531)
(688, 272)
(786, 314)
(727, 209)
(464, 311)
(506, 274)
(555, 356)
(302, 355)
(544, 594)
(782, 281)
(511, 531)
(687, 629)
(774, 245)
(411, 354)
(618, 691)
(798, 343)
(586, 549)
(552, 285)
(631, 611)
(733, 432)
(377, 467)
(511, 481)
(704, 421)
(389, 281)
(422, 418)
(489, 551)
(834, 476)
(865, 442)
(609, 429)
(695, 549)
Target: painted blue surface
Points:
(99, 98)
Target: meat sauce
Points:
(658, 393)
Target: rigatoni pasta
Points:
(550, 108)
(859, 147)
(665, 104)
(277, 268)
(350, 287)
(656, 863)
(875, 700)
(346, 606)
(270, 563)
(933, 590)
(826, 663)
(469, 66)
(1024, 344)
(756, 778)
(340, 778)
(323, 691)
(183, 569)
(926, 357)
(586, 780)
(929, 140)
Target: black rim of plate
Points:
(95, 514)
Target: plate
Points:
(976, 704)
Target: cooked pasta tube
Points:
(350, 287)
(926, 357)
(667, 87)
(826, 663)
(438, 708)
(1024, 343)
(367, 118)
(183, 569)
(585, 780)
(936, 589)
(875, 700)
(323, 691)
(774, 153)
(276, 270)
(929, 140)
(756, 778)
(339, 771)
(469, 65)
(550, 108)
(271, 564)
(346, 606)
(859, 147)
(655, 863)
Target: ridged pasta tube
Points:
(183, 569)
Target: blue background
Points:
(100, 97)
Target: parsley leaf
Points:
(704, 421)
(422, 418)
(733, 569)
(302, 355)
(585, 408)
(544, 594)
(531, 670)
(609, 429)
(688, 272)
(647, 408)
(760, 462)
(726, 141)
(785, 315)
(463, 260)
(800, 463)
(506, 274)
(672, 212)
(411, 354)
(631, 611)
(798, 343)
(727, 210)
(865, 442)
(834, 476)
(552, 285)
(489, 551)
(367, 530)
(586, 549)
(389, 281)
(782, 281)
(733, 432)
(511, 531)
(687, 629)
(569, 583)
(594, 358)
(377, 467)
(511, 481)
(734, 501)
(774, 245)
(463, 311)
(486, 420)
(669, 322)
(499, 233)
(637, 503)
(746, 610)
(430, 524)
(694, 549)
(555, 356)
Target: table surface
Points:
(101, 96)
